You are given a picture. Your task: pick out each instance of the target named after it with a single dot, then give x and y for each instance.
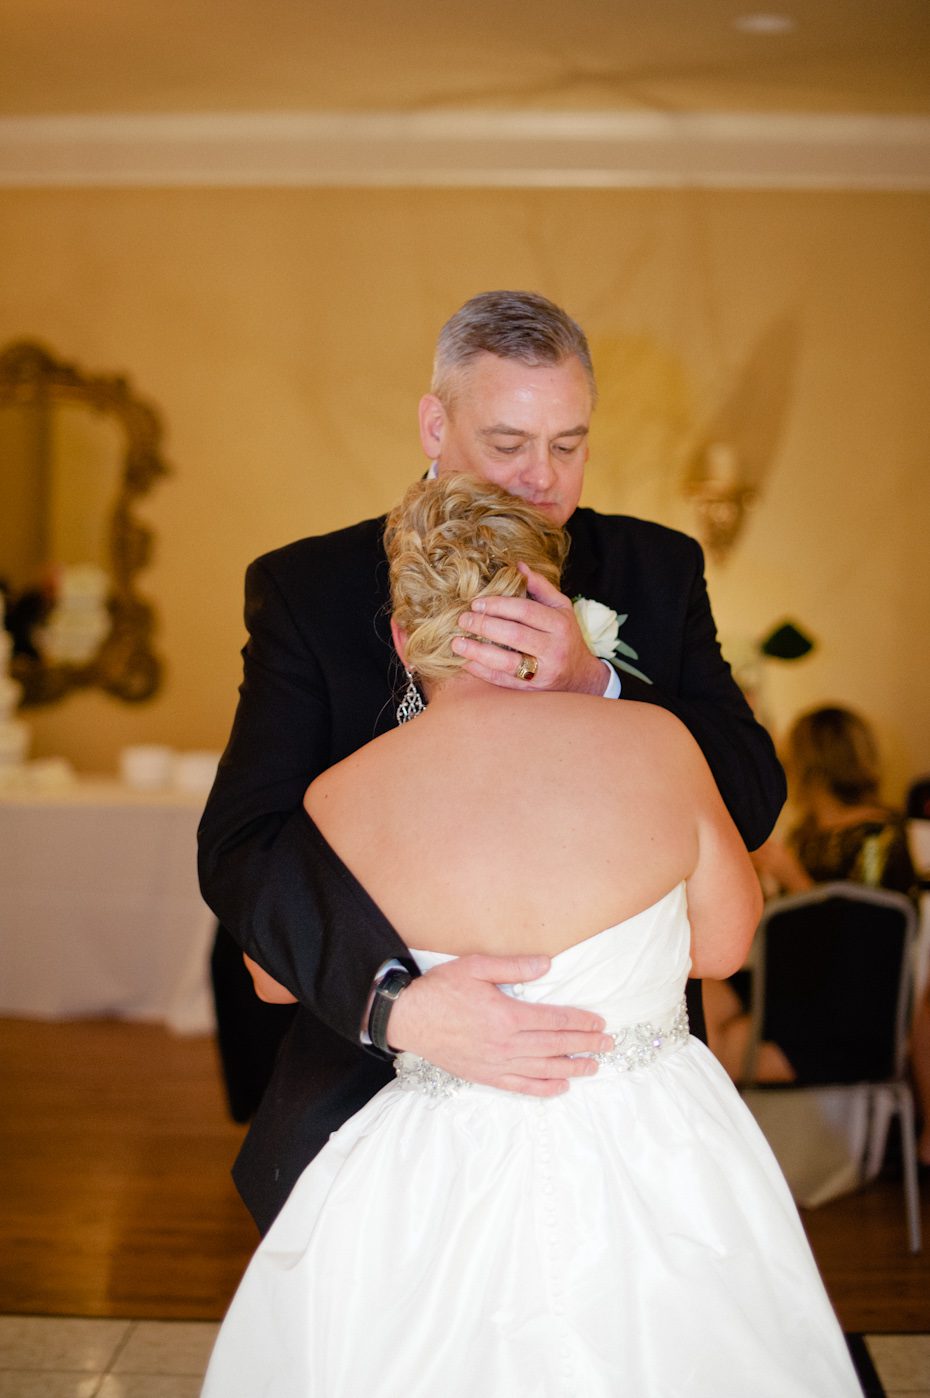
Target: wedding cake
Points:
(79, 622)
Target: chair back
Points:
(832, 981)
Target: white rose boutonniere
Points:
(600, 627)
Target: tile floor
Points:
(903, 1364)
(43, 1357)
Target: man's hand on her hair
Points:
(543, 625)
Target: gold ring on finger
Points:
(527, 667)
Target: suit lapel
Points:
(381, 629)
(582, 566)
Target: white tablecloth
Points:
(100, 913)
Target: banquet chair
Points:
(831, 986)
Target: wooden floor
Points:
(115, 1197)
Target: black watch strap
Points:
(386, 992)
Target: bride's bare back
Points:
(523, 823)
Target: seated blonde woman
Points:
(844, 832)
(629, 1234)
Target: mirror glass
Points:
(76, 451)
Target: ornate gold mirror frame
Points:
(124, 663)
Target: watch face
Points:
(386, 993)
(393, 983)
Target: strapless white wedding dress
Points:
(632, 1237)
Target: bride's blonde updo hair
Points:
(451, 540)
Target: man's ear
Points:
(400, 641)
(432, 416)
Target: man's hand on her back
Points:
(457, 1017)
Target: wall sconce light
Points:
(714, 481)
(728, 469)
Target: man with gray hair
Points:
(511, 401)
(517, 325)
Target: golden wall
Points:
(287, 334)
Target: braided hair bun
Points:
(451, 540)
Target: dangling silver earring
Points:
(412, 702)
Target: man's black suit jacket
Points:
(320, 680)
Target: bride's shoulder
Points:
(650, 721)
(341, 781)
(660, 737)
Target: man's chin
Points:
(553, 510)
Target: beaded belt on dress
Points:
(636, 1046)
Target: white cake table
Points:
(100, 912)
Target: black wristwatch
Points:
(386, 992)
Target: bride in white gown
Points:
(630, 1234)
